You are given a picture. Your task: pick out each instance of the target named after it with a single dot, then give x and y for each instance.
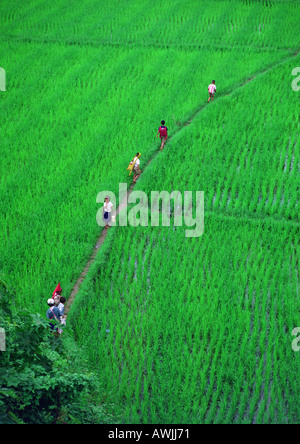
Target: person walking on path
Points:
(52, 313)
(136, 167)
(59, 303)
(107, 209)
(163, 134)
(211, 90)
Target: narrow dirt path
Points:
(104, 232)
(98, 245)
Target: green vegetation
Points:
(177, 330)
(43, 379)
(212, 342)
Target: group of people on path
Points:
(134, 165)
(163, 134)
(56, 304)
(56, 310)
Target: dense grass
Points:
(270, 25)
(70, 129)
(200, 329)
(245, 148)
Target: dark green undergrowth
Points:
(44, 377)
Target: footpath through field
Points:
(122, 204)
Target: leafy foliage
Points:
(36, 385)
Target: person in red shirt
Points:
(163, 134)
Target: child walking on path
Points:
(136, 167)
(107, 209)
(211, 90)
(163, 134)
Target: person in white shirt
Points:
(107, 209)
(136, 168)
(59, 302)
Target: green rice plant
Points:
(179, 330)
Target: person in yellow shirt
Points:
(136, 167)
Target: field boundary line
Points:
(188, 122)
(252, 218)
(127, 45)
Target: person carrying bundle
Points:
(57, 291)
(211, 90)
(163, 134)
(135, 167)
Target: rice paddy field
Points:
(178, 329)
